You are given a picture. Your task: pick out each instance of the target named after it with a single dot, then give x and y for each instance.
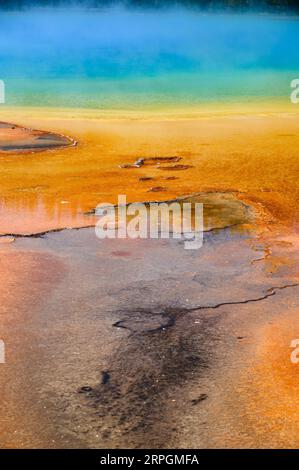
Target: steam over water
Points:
(117, 58)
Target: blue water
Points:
(126, 59)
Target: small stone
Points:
(139, 162)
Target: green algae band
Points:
(20, 139)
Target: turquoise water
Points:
(132, 59)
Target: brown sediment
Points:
(176, 167)
(157, 189)
(146, 178)
(150, 161)
(158, 160)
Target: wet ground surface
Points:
(152, 358)
(141, 343)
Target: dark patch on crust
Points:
(157, 189)
(158, 160)
(148, 370)
(146, 178)
(200, 399)
(176, 167)
(150, 161)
